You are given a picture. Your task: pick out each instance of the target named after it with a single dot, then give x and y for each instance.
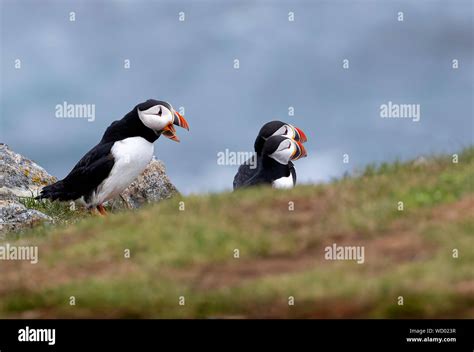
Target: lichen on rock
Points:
(20, 176)
(14, 216)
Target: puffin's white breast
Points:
(283, 182)
(131, 155)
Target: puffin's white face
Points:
(157, 117)
(285, 131)
(292, 132)
(287, 150)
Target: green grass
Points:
(62, 214)
(190, 253)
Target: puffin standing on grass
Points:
(272, 128)
(123, 153)
(277, 154)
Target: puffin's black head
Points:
(278, 128)
(160, 117)
(283, 149)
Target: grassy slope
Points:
(190, 253)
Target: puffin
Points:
(122, 154)
(277, 154)
(272, 128)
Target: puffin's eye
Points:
(159, 112)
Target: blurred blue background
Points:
(282, 64)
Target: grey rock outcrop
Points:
(20, 176)
(14, 216)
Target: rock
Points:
(151, 186)
(14, 216)
(19, 176)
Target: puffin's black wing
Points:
(293, 172)
(255, 180)
(245, 172)
(266, 174)
(84, 178)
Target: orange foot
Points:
(101, 210)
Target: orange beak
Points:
(180, 121)
(300, 151)
(170, 132)
(301, 136)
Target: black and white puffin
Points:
(272, 128)
(123, 153)
(277, 154)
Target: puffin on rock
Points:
(272, 128)
(277, 154)
(122, 154)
